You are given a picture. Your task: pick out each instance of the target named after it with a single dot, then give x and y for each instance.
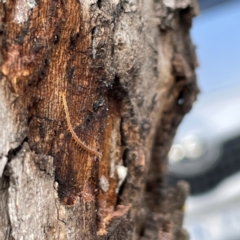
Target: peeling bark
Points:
(127, 71)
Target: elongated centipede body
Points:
(75, 137)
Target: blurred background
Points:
(206, 149)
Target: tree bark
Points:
(91, 94)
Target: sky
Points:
(216, 33)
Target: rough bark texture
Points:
(126, 68)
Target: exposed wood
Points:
(125, 70)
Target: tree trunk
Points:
(91, 94)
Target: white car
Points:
(206, 149)
(215, 215)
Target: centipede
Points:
(74, 135)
